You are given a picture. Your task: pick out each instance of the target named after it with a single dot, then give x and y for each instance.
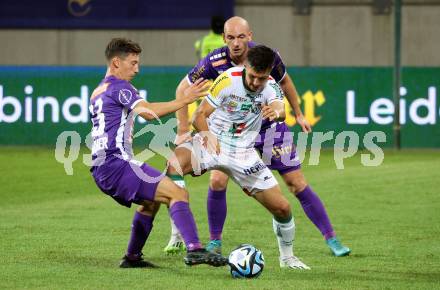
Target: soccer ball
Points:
(246, 261)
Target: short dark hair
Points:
(261, 58)
(217, 23)
(121, 47)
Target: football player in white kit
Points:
(227, 121)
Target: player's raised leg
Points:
(283, 225)
(315, 210)
(217, 209)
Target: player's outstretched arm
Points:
(201, 125)
(292, 97)
(183, 125)
(149, 111)
(201, 115)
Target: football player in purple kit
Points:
(113, 105)
(238, 38)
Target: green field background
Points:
(59, 231)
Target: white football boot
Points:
(293, 262)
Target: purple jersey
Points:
(115, 172)
(110, 108)
(219, 60)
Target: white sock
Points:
(285, 233)
(180, 183)
(175, 234)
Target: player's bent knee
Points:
(283, 210)
(218, 182)
(147, 208)
(179, 195)
(180, 163)
(296, 185)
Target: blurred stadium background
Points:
(58, 231)
(340, 54)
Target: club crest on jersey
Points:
(125, 96)
(231, 106)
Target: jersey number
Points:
(99, 119)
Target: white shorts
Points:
(245, 166)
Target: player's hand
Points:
(182, 138)
(269, 113)
(196, 90)
(210, 142)
(305, 126)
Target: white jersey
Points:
(237, 119)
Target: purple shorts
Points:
(279, 154)
(127, 182)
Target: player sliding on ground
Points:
(281, 155)
(129, 181)
(237, 102)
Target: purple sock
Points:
(315, 210)
(184, 221)
(216, 206)
(140, 230)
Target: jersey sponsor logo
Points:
(219, 62)
(125, 96)
(283, 149)
(236, 73)
(254, 169)
(246, 107)
(217, 56)
(238, 98)
(220, 83)
(198, 73)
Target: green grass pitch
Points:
(60, 232)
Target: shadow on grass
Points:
(168, 265)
